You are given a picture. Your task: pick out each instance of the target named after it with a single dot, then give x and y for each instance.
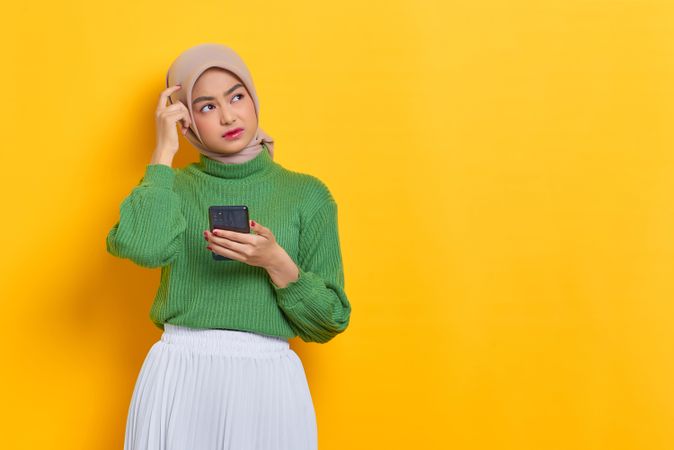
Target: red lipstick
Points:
(233, 134)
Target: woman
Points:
(223, 375)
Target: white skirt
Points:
(208, 389)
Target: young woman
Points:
(223, 375)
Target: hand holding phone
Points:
(234, 218)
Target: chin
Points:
(226, 149)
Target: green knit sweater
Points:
(161, 224)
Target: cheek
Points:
(250, 113)
(204, 124)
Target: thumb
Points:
(257, 228)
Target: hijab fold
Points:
(187, 68)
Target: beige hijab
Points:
(187, 68)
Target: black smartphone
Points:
(234, 218)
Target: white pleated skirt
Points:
(208, 389)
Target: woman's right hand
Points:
(166, 118)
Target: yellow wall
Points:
(504, 172)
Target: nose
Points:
(226, 116)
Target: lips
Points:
(232, 132)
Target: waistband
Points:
(221, 341)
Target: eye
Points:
(239, 95)
(202, 109)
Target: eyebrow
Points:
(227, 92)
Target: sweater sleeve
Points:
(151, 227)
(315, 304)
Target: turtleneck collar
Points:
(252, 169)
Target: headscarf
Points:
(185, 70)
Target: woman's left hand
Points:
(259, 249)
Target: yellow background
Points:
(504, 172)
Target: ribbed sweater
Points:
(161, 224)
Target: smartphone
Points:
(233, 218)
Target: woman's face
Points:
(221, 103)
